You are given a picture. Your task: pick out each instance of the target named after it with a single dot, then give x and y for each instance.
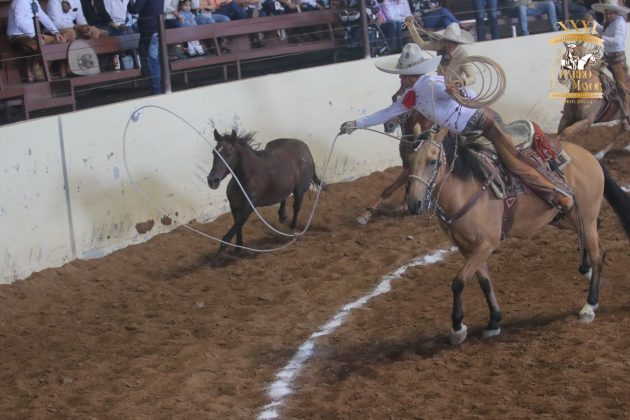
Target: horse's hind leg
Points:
(492, 329)
(282, 212)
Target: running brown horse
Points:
(267, 176)
(447, 177)
(581, 69)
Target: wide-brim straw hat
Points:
(610, 5)
(455, 33)
(412, 61)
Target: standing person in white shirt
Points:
(21, 33)
(391, 18)
(68, 14)
(429, 95)
(117, 11)
(613, 32)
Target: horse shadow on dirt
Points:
(356, 359)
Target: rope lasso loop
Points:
(490, 74)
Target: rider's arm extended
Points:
(382, 116)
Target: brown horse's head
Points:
(225, 156)
(425, 162)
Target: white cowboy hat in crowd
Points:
(610, 5)
(412, 61)
(455, 33)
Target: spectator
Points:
(148, 11)
(535, 8)
(576, 10)
(231, 9)
(21, 33)
(309, 5)
(391, 18)
(437, 17)
(203, 12)
(487, 8)
(68, 14)
(613, 33)
(187, 20)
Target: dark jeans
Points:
(232, 10)
(393, 35)
(491, 11)
(438, 18)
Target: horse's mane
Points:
(466, 163)
(247, 140)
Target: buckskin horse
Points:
(592, 78)
(268, 176)
(447, 176)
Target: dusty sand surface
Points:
(153, 332)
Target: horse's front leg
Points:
(475, 260)
(493, 328)
(366, 216)
(239, 232)
(596, 253)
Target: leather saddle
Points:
(528, 138)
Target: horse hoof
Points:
(588, 274)
(491, 333)
(458, 337)
(587, 313)
(364, 218)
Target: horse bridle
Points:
(430, 184)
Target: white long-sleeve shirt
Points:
(614, 36)
(395, 10)
(21, 19)
(66, 20)
(117, 10)
(432, 101)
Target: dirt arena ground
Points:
(153, 332)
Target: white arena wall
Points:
(66, 192)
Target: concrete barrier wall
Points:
(66, 192)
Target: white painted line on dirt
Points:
(282, 386)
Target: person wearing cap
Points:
(613, 33)
(429, 95)
(449, 44)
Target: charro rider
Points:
(449, 44)
(613, 33)
(429, 96)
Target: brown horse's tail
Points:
(618, 200)
(318, 182)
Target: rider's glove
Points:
(348, 127)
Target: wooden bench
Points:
(109, 45)
(238, 33)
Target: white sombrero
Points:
(412, 61)
(454, 33)
(610, 5)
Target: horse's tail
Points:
(618, 200)
(318, 182)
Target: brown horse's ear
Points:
(233, 135)
(217, 136)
